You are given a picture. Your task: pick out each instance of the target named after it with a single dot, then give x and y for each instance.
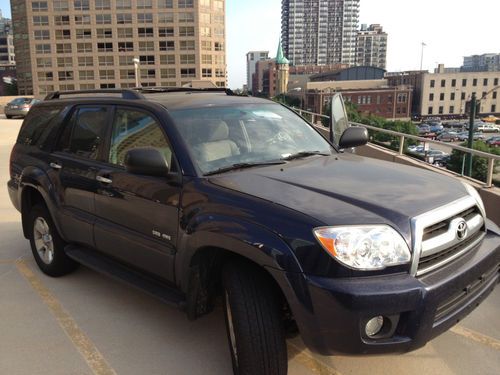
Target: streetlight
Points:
(137, 64)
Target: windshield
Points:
(221, 137)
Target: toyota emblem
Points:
(462, 230)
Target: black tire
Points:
(257, 338)
(59, 264)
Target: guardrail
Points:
(402, 137)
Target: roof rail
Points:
(126, 93)
(160, 89)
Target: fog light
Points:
(374, 326)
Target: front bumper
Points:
(331, 313)
(16, 112)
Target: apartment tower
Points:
(372, 46)
(83, 44)
(320, 32)
(252, 58)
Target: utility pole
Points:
(422, 56)
(473, 105)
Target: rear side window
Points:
(36, 124)
(84, 133)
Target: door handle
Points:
(55, 165)
(104, 180)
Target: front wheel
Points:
(46, 244)
(254, 326)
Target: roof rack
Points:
(159, 89)
(132, 94)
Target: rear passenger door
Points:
(75, 164)
(137, 215)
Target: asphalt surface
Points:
(85, 323)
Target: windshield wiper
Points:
(303, 154)
(242, 165)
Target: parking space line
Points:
(476, 336)
(80, 340)
(317, 367)
(7, 261)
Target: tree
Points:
(479, 164)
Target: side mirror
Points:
(353, 137)
(147, 161)
(338, 119)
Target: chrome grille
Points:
(439, 236)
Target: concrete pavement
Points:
(85, 323)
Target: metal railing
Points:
(402, 137)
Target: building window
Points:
(219, 46)
(220, 84)
(66, 75)
(429, 111)
(167, 73)
(148, 73)
(127, 74)
(44, 62)
(45, 89)
(218, 5)
(219, 73)
(441, 110)
(41, 34)
(443, 83)
(84, 47)
(206, 45)
(474, 82)
(433, 83)
(452, 96)
(453, 83)
(205, 31)
(106, 61)
(66, 87)
(123, 18)
(102, 4)
(63, 34)
(107, 86)
(125, 32)
(494, 94)
(186, 17)
(485, 82)
(103, 19)
(495, 82)
(206, 59)
(452, 109)
(188, 73)
(167, 59)
(39, 6)
(64, 62)
(431, 97)
(186, 31)
(165, 18)
(87, 86)
(45, 76)
(40, 20)
(61, 20)
(144, 4)
(186, 45)
(144, 18)
(186, 3)
(104, 33)
(126, 60)
(85, 61)
(125, 46)
(106, 74)
(206, 73)
(218, 18)
(187, 59)
(146, 46)
(86, 75)
(441, 96)
(123, 4)
(464, 82)
(42, 48)
(145, 32)
(165, 31)
(493, 108)
(147, 59)
(462, 96)
(167, 46)
(83, 33)
(401, 98)
(60, 6)
(82, 19)
(205, 18)
(82, 5)
(104, 47)
(167, 4)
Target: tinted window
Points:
(83, 135)
(36, 123)
(132, 129)
(21, 101)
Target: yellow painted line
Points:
(476, 336)
(82, 343)
(306, 360)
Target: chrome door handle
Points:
(104, 180)
(55, 166)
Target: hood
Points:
(347, 189)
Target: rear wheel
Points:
(253, 321)
(46, 244)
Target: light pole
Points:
(137, 64)
(422, 55)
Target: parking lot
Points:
(86, 323)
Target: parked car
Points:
(193, 195)
(490, 118)
(416, 149)
(463, 136)
(493, 141)
(424, 129)
(488, 128)
(447, 136)
(19, 107)
(436, 127)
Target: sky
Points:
(450, 28)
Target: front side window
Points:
(83, 135)
(255, 133)
(133, 129)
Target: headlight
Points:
(473, 192)
(371, 247)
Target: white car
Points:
(488, 128)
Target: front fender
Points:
(235, 235)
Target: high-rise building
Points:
(83, 44)
(488, 62)
(320, 32)
(372, 46)
(7, 55)
(252, 58)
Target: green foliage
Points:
(479, 164)
(291, 101)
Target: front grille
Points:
(443, 226)
(455, 302)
